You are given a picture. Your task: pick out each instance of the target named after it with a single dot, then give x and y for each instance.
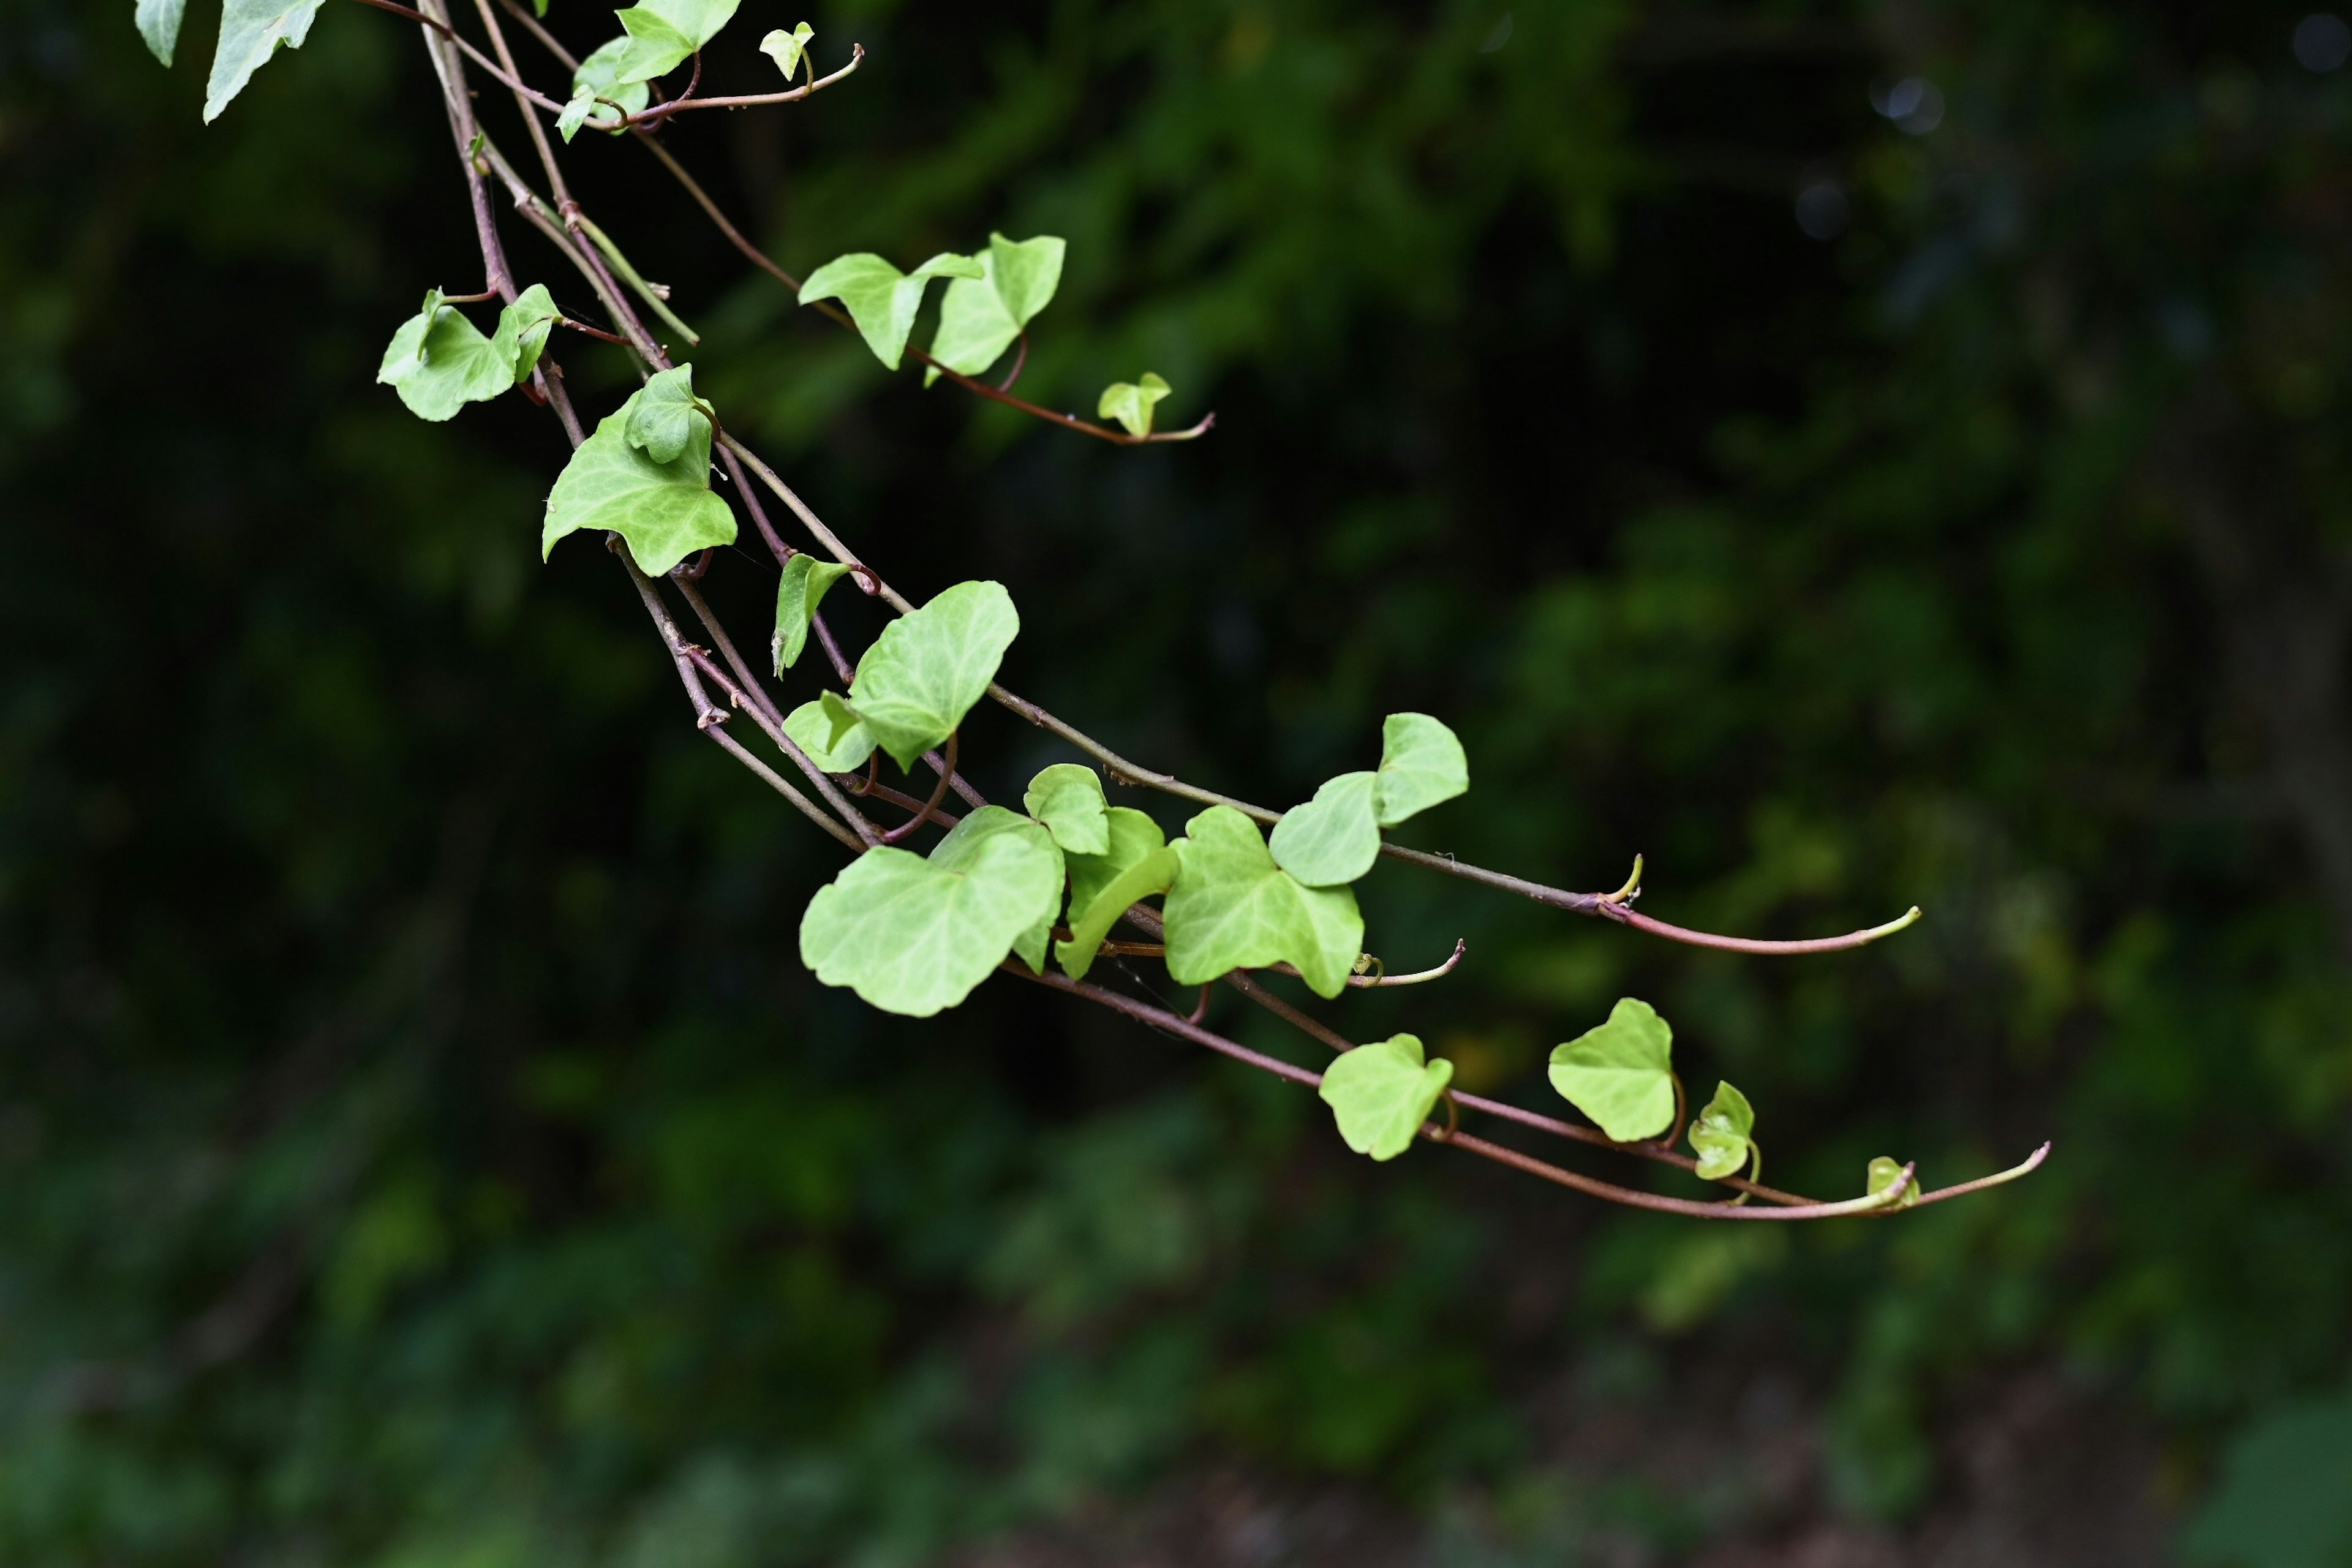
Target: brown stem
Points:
(905, 830)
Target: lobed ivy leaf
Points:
(928, 667)
(158, 24)
(1131, 402)
(789, 49)
(1719, 1134)
(1422, 763)
(879, 297)
(1133, 835)
(665, 511)
(1068, 799)
(438, 361)
(1621, 1074)
(980, 317)
(528, 321)
(1382, 1093)
(836, 752)
(1883, 1172)
(798, 593)
(1332, 839)
(664, 415)
(1232, 908)
(597, 76)
(1152, 874)
(663, 33)
(913, 935)
(250, 32)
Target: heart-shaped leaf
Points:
(961, 846)
(1232, 908)
(788, 49)
(1132, 835)
(980, 317)
(1150, 875)
(1621, 1074)
(158, 24)
(1422, 763)
(664, 415)
(1131, 402)
(663, 33)
(879, 297)
(834, 750)
(912, 935)
(250, 32)
(1381, 1093)
(1332, 839)
(803, 586)
(438, 361)
(1719, 1135)
(1068, 799)
(597, 76)
(665, 511)
(928, 667)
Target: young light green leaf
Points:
(914, 936)
(879, 297)
(1621, 1074)
(665, 511)
(1232, 908)
(665, 414)
(526, 324)
(1150, 875)
(1133, 835)
(803, 586)
(1130, 402)
(812, 730)
(597, 76)
(438, 361)
(1883, 1172)
(1420, 764)
(158, 24)
(1068, 799)
(250, 32)
(980, 317)
(1380, 1094)
(925, 670)
(1332, 839)
(663, 33)
(789, 49)
(1719, 1135)
(962, 844)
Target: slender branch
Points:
(662, 111)
(479, 59)
(905, 830)
(865, 789)
(523, 105)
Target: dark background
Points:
(420, 1145)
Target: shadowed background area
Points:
(1855, 455)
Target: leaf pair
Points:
(879, 297)
(620, 480)
(1232, 907)
(1334, 839)
(789, 51)
(917, 681)
(438, 361)
(1131, 402)
(1622, 1075)
(991, 298)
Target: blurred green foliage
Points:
(418, 1144)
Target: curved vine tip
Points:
(1633, 888)
(1625, 914)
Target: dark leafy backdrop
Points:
(419, 1143)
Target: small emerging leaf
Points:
(836, 752)
(1068, 799)
(1883, 1174)
(158, 24)
(1131, 402)
(1332, 839)
(927, 669)
(1422, 763)
(1150, 875)
(665, 414)
(527, 323)
(1719, 1134)
(250, 32)
(1621, 1074)
(1232, 908)
(1133, 835)
(665, 511)
(803, 585)
(789, 49)
(879, 297)
(663, 33)
(1381, 1093)
(980, 317)
(597, 76)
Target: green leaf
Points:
(801, 588)
(438, 361)
(879, 297)
(980, 317)
(663, 33)
(1720, 1136)
(1420, 764)
(962, 844)
(666, 416)
(597, 76)
(250, 32)
(1133, 835)
(1130, 402)
(1232, 908)
(1380, 1094)
(526, 324)
(912, 935)
(788, 49)
(665, 511)
(1883, 1172)
(1068, 799)
(1621, 1074)
(1150, 875)
(927, 669)
(1332, 839)
(158, 24)
(834, 750)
